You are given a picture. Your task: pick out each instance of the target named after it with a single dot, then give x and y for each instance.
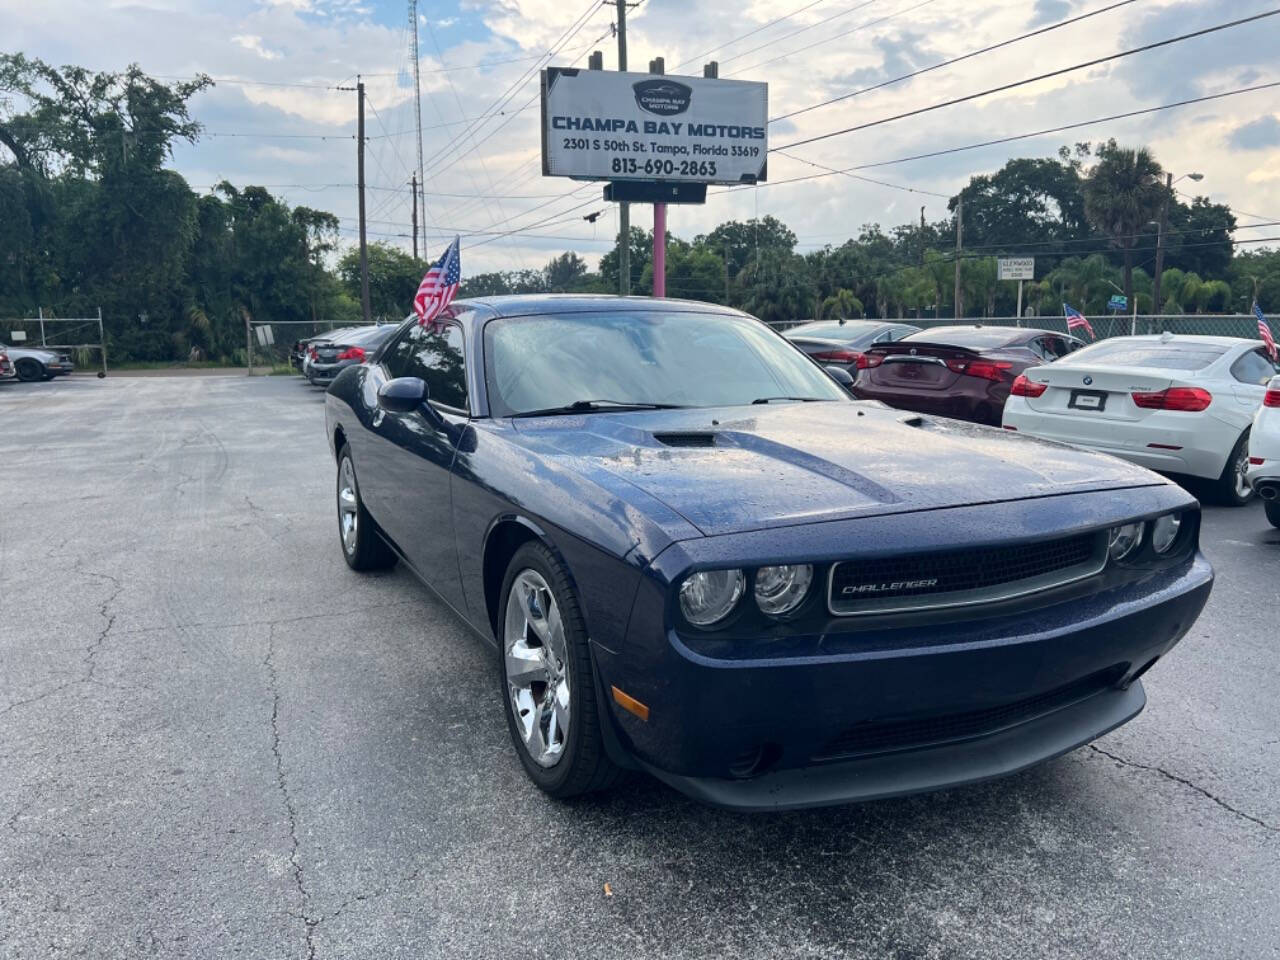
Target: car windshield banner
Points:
(598, 125)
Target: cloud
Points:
(1258, 135)
(1049, 11)
(254, 43)
(444, 22)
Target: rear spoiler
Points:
(901, 348)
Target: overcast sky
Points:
(821, 50)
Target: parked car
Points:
(697, 556)
(299, 353)
(1178, 404)
(38, 363)
(330, 356)
(963, 372)
(6, 367)
(1264, 452)
(842, 343)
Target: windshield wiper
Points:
(589, 406)
(799, 399)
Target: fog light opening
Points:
(755, 760)
(1132, 678)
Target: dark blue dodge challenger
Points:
(698, 556)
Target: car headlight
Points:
(1164, 532)
(1124, 540)
(781, 589)
(709, 596)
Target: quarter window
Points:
(1254, 368)
(435, 357)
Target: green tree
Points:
(393, 279)
(1122, 195)
(842, 304)
(565, 273)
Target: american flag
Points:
(1076, 321)
(1264, 331)
(439, 286)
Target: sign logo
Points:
(1088, 380)
(893, 587)
(663, 98)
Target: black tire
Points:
(365, 550)
(29, 370)
(1273, 512)
(583, 765)
(1230, 489)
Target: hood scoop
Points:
(686, 438)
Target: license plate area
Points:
(1095, 400)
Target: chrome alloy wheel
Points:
(534, 646)
(1241, 468)
(348, 507)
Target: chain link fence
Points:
(78, 339)
(1242, 325)
(275, 347)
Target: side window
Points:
(1037, 346)
(1254, 367)
(435, 357)
(884, 336)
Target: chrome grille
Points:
(961, 577)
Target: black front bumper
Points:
(923, 769)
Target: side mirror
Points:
(402, 395)
(840, 375)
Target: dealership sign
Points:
(599, 125)
(1016, 268)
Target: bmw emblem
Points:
(1088, 380)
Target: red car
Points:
(963, 372)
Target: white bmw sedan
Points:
(1179, 405)
(1264, 452)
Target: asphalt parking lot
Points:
(216, 741)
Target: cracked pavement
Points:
(215, 740)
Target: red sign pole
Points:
(659, 249)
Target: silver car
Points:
(38, 363)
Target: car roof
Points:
(519, 305)
(1189, 339)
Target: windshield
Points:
(650, 357)
(850, 330)
(1147, 353)
(972, 338)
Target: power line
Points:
(836, 36)
(749, 33)
(946, 63)
(882, 183)
(1019, 83)
(805, 29)
(1010, 139)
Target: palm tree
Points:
(1122, 194)
(842, 304)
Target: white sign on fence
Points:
(17, 336)
(266, 337)
(602, 125)
(1016, 268)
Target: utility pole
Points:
(922, 236)
(959, 307)
(364, 249)
(726, 273)
(1161, 227)
(624, 210)
(414, 182)
(417, 102)
(657, 65)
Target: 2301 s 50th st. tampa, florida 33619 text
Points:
(698, 556)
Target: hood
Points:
(731, 470)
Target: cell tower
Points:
(417, 104)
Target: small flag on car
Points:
(1076, 321)
(1264, 331)
(438, 287)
